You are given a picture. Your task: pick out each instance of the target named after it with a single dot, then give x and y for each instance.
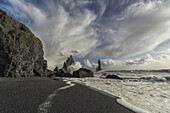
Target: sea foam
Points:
(145, 92)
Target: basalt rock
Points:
(56, 69)
(51, 73)
(114, 77)
(68, 63)
(82, 72)
(63, 73)
(21, 53)
(99, 66)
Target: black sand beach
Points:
(25, 95)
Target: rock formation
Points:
(99, 66)
(63, 73)
(56, 69)
(21, 53)
(114, 77)
(68, 63)
(81, 73)
(51, 73)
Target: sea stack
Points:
(68, 63)
(21, 53)
(99, 66)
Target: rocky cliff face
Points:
(21, 53)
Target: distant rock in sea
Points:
(114, 77)
(21, 53)
(99, 68)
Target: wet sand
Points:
(25, 95)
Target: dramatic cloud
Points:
(94, 28)
(140, 28)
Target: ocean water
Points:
(147, 92)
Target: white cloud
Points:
(141, 61)
(87, 63)
(74, 67)
(163, 57)
(101, 30)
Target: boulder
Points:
(82, 72)
(63, 73)
(51, 73)
(104, 74)
(114, 77)
(21, 52)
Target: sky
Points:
(124, 34)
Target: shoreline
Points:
(119, 100)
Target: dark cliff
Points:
(21, 53)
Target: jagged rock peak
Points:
(68, 62)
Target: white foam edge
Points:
(69, 85)
(119, 100)
(124, 103)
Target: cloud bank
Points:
(94, 28)
(149, 62)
